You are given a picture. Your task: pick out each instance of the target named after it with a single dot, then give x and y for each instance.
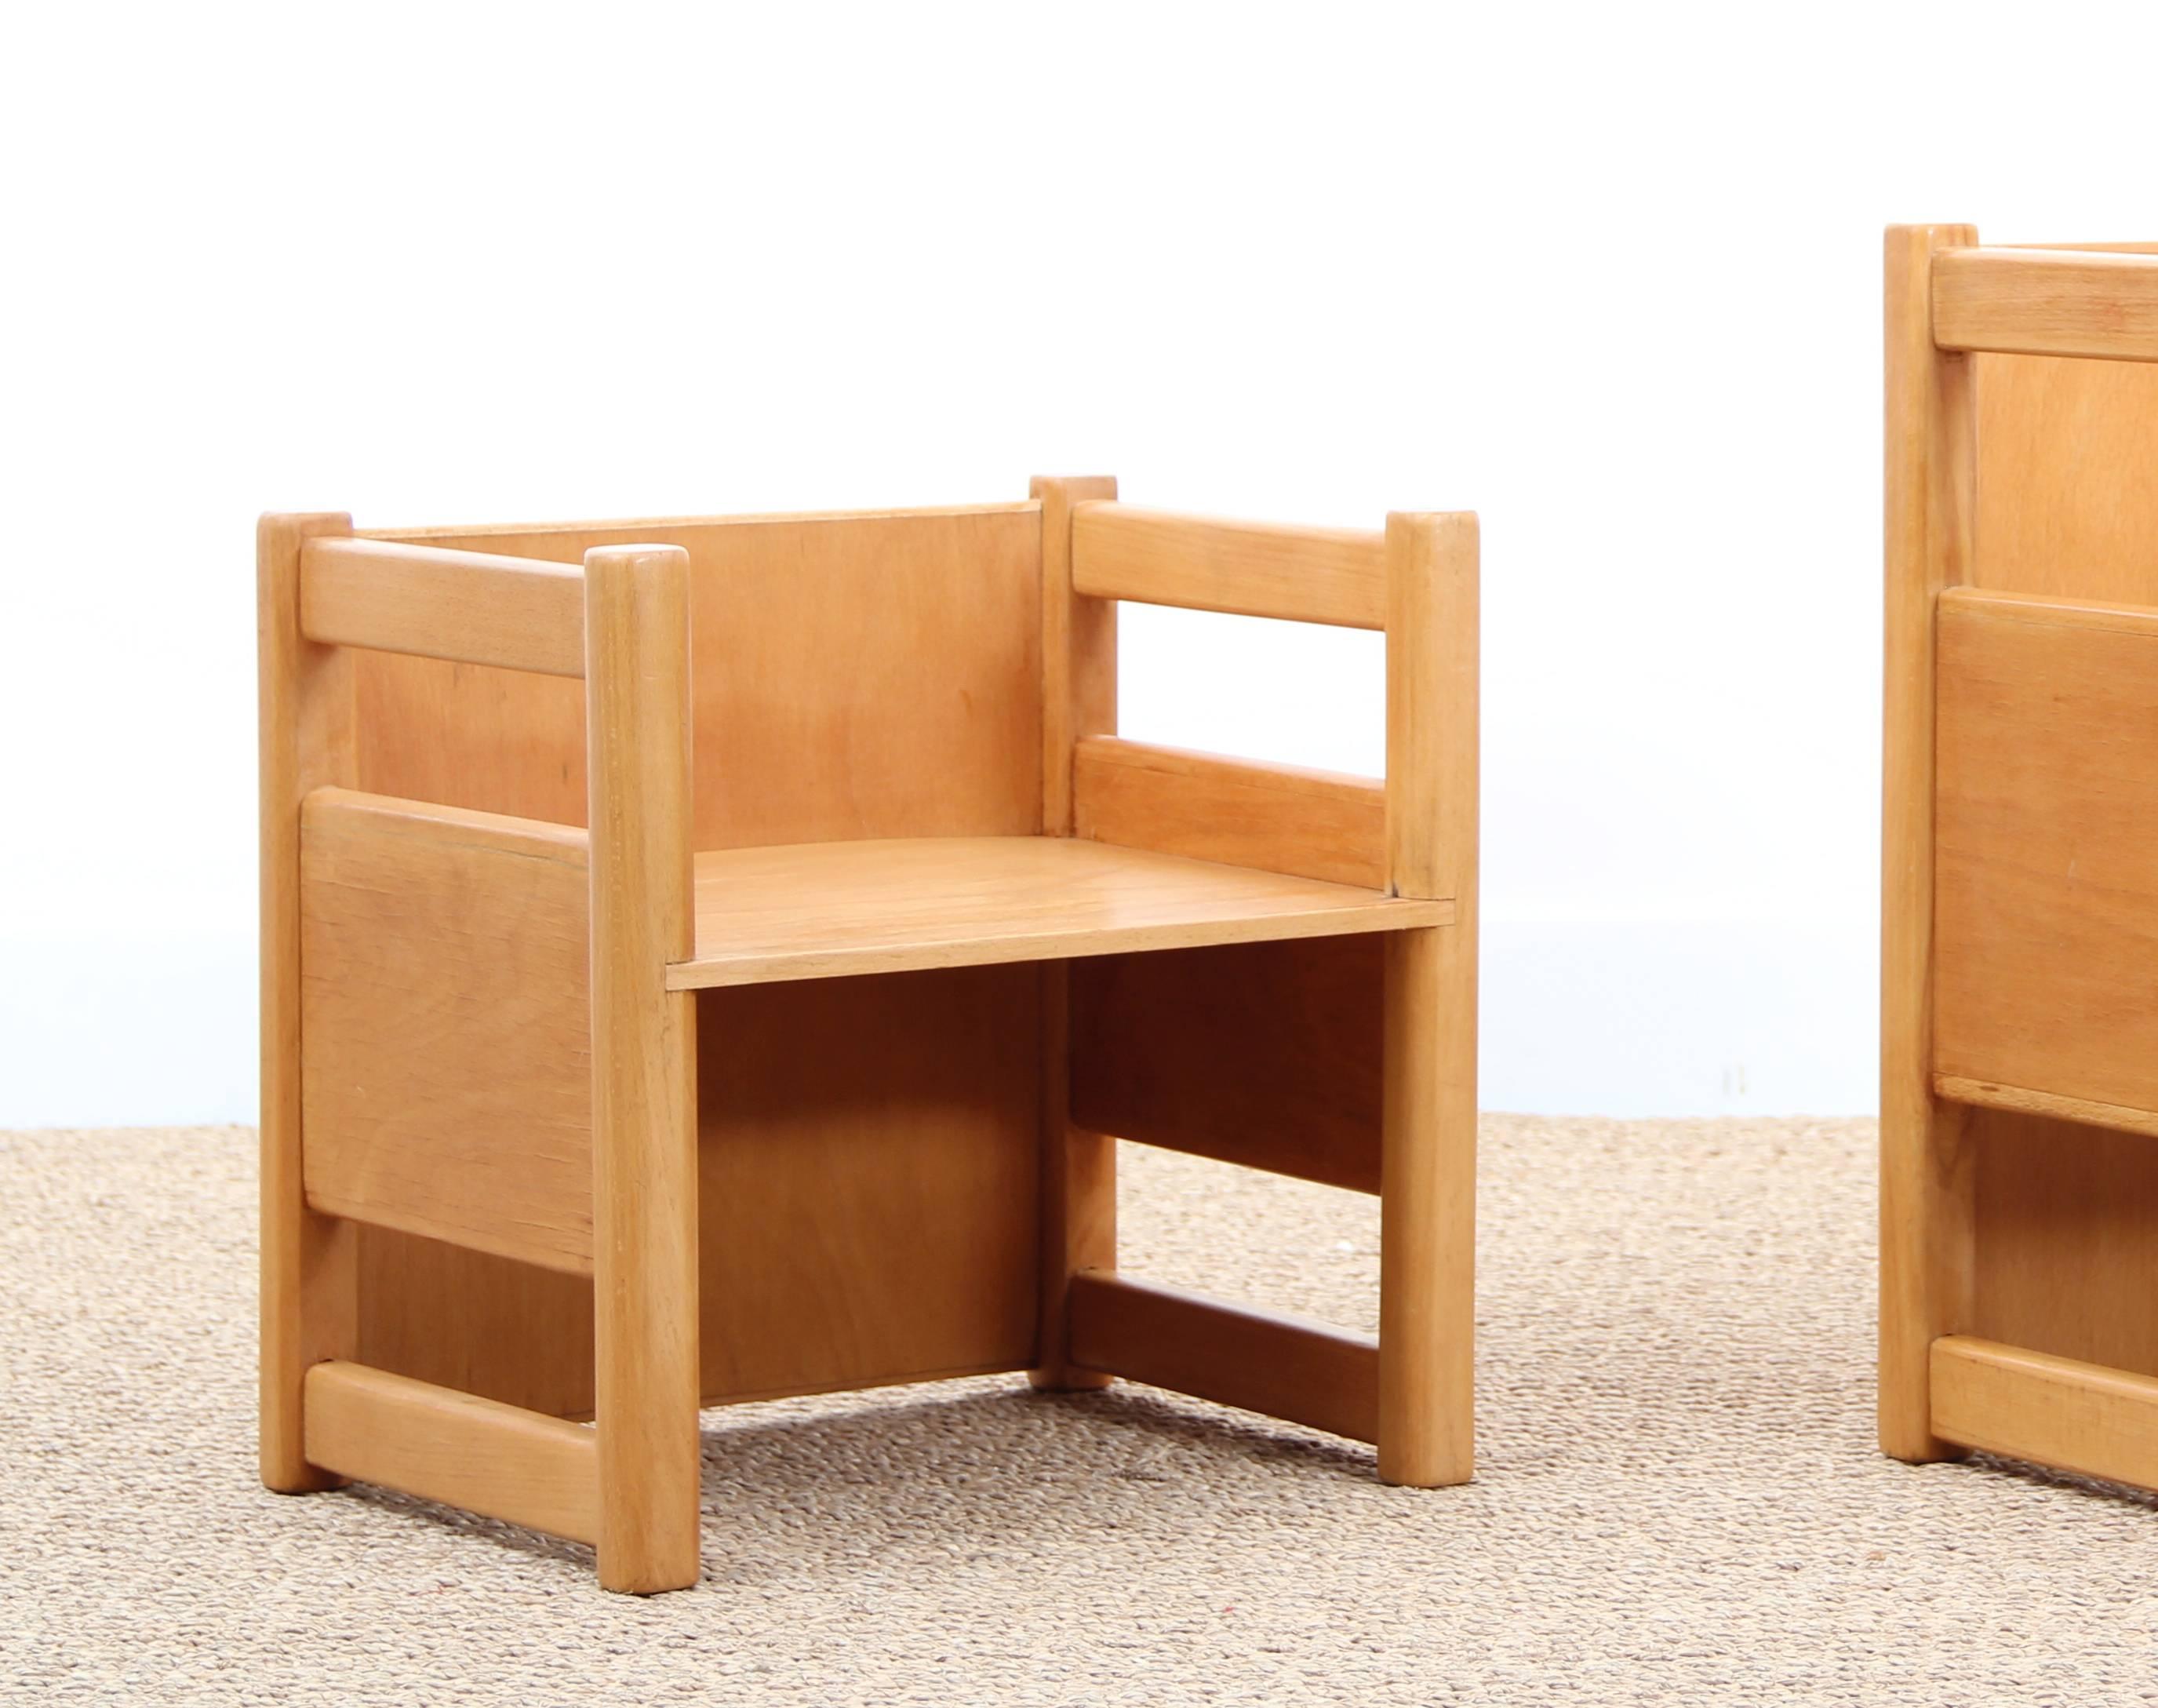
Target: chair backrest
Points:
(864, 675)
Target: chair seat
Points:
(828, 910)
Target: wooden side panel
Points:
(857, 676)
(2067, 1214)
(2068, 1230)
(446, 1075)
(1266, 1054)
(1275, 818)
(2046, 821)
(868, 1175)
(2067, 483)
(476, 1323)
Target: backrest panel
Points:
(867, 675)
(2067, 477)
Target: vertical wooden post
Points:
(1926, 1167)
(1427, 1168)
(644, 1133)
(1078, 698)
(305, 711)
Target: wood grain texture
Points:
(1305, 574)
(2067, 1232)
(2047, 302)
(832, 910)
(308, 1275)
(1926, 1251)
(447, 1078)
(856, 676)
(1240, 813)
(471, 607)
(2066, 502)
(1428, 1212)
(869, 1171)
(453, 1447)
(2054, 1410)
(2046, 815)
(1078, 648)
(1265, 1054)
(2021, 1101)
(1232, 1355)
(476, 1323)
(644, 1094)
(1428, 1105)
(1078, 701)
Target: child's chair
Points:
(794, 1072)
(2019, 1098)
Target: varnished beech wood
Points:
(436, 939)
(2066, 503)
(451, 1446)
(644, 1135)
(2046, 302)
(832, 910)
(1230, 1353)
(308, 1277)
(1427, 1118)
(1334, 575)
(869, 1180)
(832, 1059)
(2046, 818)
(2060, 1411)
(1078, 702)
(1240, 813)
(856, 676)
(1926, 1164)
(471, 607)
(2022, 1101)
(2066, 1233)
(1264, 1055)
(2067, 1215)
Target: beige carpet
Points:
(1679, 1500)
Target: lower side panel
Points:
(869, 1197)
(2066, 1240)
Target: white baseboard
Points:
(1624, 1018)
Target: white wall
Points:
(1610, 276)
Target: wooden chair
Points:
(2019, 1199)
(791, 1073)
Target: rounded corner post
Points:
(644, 1125)
(1078, 1169)
(304, 735)
(1926, 1207)
(1427, 1168)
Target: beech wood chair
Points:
(705, 960)
(2019, 1098)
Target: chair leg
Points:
(1427, 1211)
(644, 1098)
(1078, 1197)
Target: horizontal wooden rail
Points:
(1240, 813)
(2049, 610)
(1984, 1094)
(1306, 574)
(2050, 1411)
(469, 607)
(457, 1448)
(1286, 1368)
(2047, 302)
